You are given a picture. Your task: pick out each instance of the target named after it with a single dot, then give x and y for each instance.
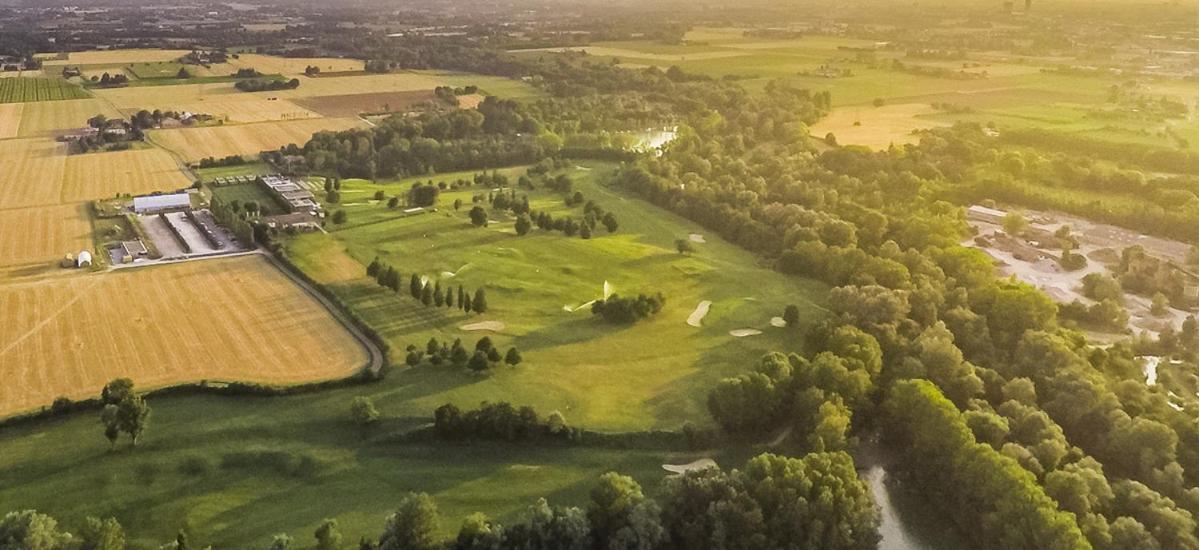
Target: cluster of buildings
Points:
(294, 196)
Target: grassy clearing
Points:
(18, 90)
(228, 319)
(655, 374)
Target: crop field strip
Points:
(252, 323)
(20, 90)
(219, 141)
(31, 172)
(39, 233)
(47, 117)
(101, 175)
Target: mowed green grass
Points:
(21, 90)
(64, 468)
(507, 88)
(247, 192)
(653, 374)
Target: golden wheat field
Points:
(227, 319)
(244, 139)
(10, 119)
(358, 84)
(112, 57)
(267, 64)
(44, 118)
(245, 108)
(43, 234)
(102, 175)
(163, 97)
(876, 127)
(31, 172)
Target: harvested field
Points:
(247, 108)
(350, 105)
(151, 97)
(228, 319)
(880, 126)
(10, 119)
(43, 234)
(220, 141)
(46, 118)
(31, 172)
(268, 64)
(360, 84)
(18, 90)
(112, 57)
(101, 175)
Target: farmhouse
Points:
(150, 204)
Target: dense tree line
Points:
(267, 84)
(499, 421)
(428, 291)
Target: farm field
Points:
(43, 234)
(113, 57)
(10, 119)
(220, 141)
(291, 66)
(1011, 92)
(47, 117)
(102, 175)
(654, 374)
(18, 90)
(227, 319)
(358, 84)
(351, 105)
(877, 127)
(31, 172)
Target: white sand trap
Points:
(582, 168)
(493, 326)
(607, 290)
(451, 274)
(572, 309)
(777, 322)
(697, 316)
(743, 332)
(696, 238)
(424, 281)
(701, 464)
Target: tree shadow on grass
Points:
(573, 331)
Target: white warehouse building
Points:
(161, 203)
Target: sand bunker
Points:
(696, 238)
(571, 309)
(701, 464)
(607, 290)
(777, 322)
(451, 274)
(697, 316)
(493, 326)
(743, 332)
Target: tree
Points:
(478, 216)
(412, 526)
(493, 355)
(449, 298)
(280, 541)
(333, 197)
(393, 202)
(363, 411)
(1015, 224)
(415, 286)
(182, 74)
(328, 535)
(478, 532)
(513, 358)
(1160, 306)
(426, 295)
(99, 534)
(373, 268)
(339, 217)
(438, 296)
(29, 530)
(791, 315)
(115, 391)
(478, 361)
(610, 223)
(622, 517)
(684, 246)
(133, 417)
(465, 303)
(523, 225)
(479, 303)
